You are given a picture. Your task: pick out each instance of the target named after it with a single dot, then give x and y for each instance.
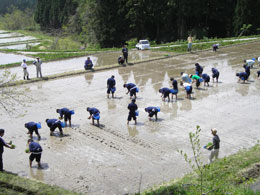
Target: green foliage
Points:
(13, 184)
(5, 5)
(17, 20)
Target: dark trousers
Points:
(126, 57)
(56, 125)
(1, 161)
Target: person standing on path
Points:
(111, 86)
(25, 72)
(2, 145)
(38, 64)
(36, 152)
(189, 39)
(125, 53)
(132, 107)
(215, 147)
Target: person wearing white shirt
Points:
(185, 77)
(250, 62)
(25, 72)
(188, 88)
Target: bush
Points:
(19, 20)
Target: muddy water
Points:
(8, 58)
(9, 35)
(19, 47)
(111, 159)
(11, 40)
(100, 59)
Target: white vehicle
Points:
(143, 44)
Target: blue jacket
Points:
(130, 86)
(175, 84)
(35, 147)
(132, 107)
(214, 71)
(31, 125)
(205, 76)
(247, 69)
(51, 122)
(93, 111)
(64, 111)
(199, 69)
(125, 51)
(111, 82)
(164, 90)
(243, 75)
(151, 109)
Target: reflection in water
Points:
(111, 104)
(243, 89)
(186, 105)
(89, 78)
(132, 130)
(39, 86)
(37, 174)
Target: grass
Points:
(59, 48)
(221, 177)
(13, 184)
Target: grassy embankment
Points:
(13, 184)
(230, 175)
(64, 47)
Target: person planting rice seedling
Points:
(197, 79)
(206, 79)
(165, 93)
(188, 88)
(152, 111)
(215, 74)
(242, 76)
(53, 124)
(33, 127)
(132, 89)
(94, 114)
(66, 114)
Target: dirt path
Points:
(111, 159)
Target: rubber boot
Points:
(28, 78)
(23, 78)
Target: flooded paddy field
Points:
(112, 159)
(99, 59)
(8, 58)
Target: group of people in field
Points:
(187, 82)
